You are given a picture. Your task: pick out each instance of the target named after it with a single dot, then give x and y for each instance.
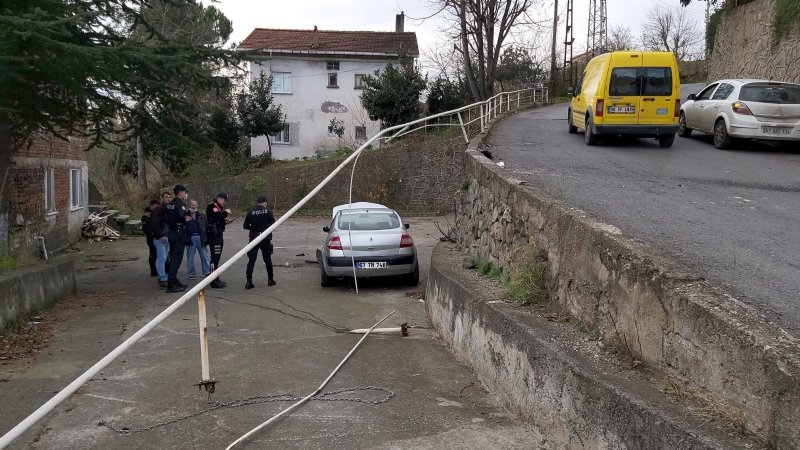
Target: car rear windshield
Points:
(368, 221)
(770, 93)
(646, 81)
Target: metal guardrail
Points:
(485, 112)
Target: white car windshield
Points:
(368, 221)
(784, 94)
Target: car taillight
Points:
(677, 108)
(598, 109)
(406, 241)
(741, 108)
(334, 243)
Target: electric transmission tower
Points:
(569, 39)
(596, 38)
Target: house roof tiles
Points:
(311, 41)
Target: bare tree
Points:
(673, 31)
(483, 26)
(620, 38)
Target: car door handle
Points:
(649, 99)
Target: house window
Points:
(333, 80)
(282, 137)
(333, 65)
(361, 133)
(75, 189)
(281, 82)
(331, 132)
(359, 81)
(49, 191)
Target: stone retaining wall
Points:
(645, 304)
(743, 46)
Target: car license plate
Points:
(621, 109)
(371, 265)
(783, 131)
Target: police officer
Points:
(217, 219)
(258, 220)
(176, 216)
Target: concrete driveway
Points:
(265, 342)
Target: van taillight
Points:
(334, 243)
(406, 241)
(598, 110)
(677, 108)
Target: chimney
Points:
(315, 38)
(399, 22)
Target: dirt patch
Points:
(28, 337)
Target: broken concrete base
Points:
(531, 366)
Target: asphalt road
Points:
(733, 216)
(263, 342)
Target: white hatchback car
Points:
(748, 109)
(367, 240)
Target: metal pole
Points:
(201, 310)
(463, 130)
(483, 118)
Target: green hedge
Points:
(787, 17)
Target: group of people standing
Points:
(172, 227)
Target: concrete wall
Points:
(312, 104)
(28, 290)
(743, 47)
(532, 367)
(415, 176)
(645, 304)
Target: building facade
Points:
(49, 197)
(318, 76)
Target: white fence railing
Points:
(478, 115)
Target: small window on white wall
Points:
(359, 81)
(281, 82)
(75, 189)
(361, 133)
(49, 191)
(281, 137)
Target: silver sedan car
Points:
(747, 109)
(367, 240)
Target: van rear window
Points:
(635, 81)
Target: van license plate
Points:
(371, 265)
(781, 131)
(621, 109)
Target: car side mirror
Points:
(691, 97)
(326, 229)
(407, 226)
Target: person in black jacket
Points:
(257, 221)
(176, 216)
(217, 219)
(158, 229)
(148, 238)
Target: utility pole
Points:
(553, 49)
(569, 39)
(596, 36)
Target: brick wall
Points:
(27, 216)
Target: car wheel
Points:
(722, 139)
(324, 279)
(571, 129)
(666, 140)
(413, 278)
(589, 137)
(683, 131)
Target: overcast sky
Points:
(379, 15)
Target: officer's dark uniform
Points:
(258, 220)
(216, 215)
(175, 216)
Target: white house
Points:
(317, 76)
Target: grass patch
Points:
(489, 270)
(525, 283)
(787, 18)
(7, 262)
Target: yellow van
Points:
(631, 93)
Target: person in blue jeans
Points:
(196, 241)
(158, 230)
